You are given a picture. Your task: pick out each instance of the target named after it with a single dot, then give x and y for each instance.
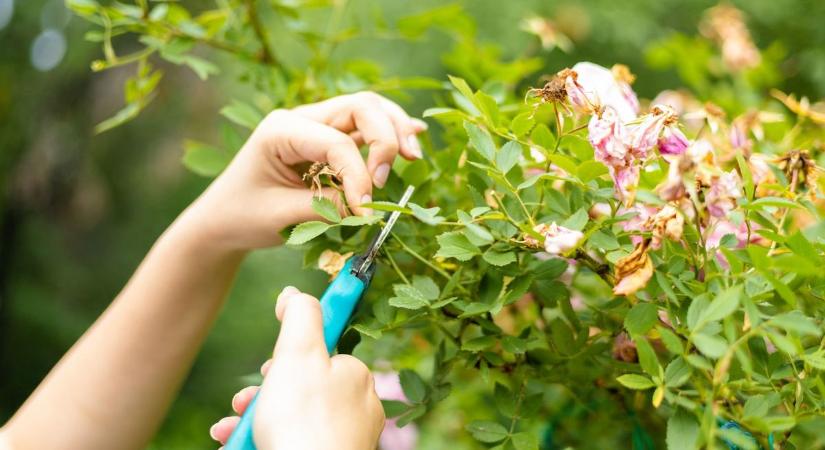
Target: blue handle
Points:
(337, 305)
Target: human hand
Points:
(308, 400)
(262, 190)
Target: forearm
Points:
(112, 389)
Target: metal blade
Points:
(378, 241)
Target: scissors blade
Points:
(378, 240)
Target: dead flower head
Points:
(332, 262)
(799, 168)
(316, 171)
(802, 107)
(668, 223)
(634, 270)
(726, 26)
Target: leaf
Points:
(542, 137)
(677, 373)
(522, 123)
(200, 66)
(408, 297)
(682, 431)
(499, 258)
(126, 114)
(453, 244)
(427, 215)
(242, 114)
(412, 385)
(565, 162)
(326, 209)
(426, 286)
(508, 156)
(462, 86)
(485, 431)
(577, 221)
(641, 318)
(722, 306)
(796, 322)
(358, 221)
(590, 170)
(305, 232)
(525, 441)
(478, 344)
(203, 159)
(366, 331)
(394, 408)
(711, 346)
(634, 381)
(481, 141)
(550, 269)
(647, 357)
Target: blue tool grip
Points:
(337, 305)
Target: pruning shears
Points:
(337, 305)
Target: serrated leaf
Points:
(641, 318)
(366, 331)
(525, 441)
(413, 386)
(305, 232)
(499, 258)
(590, 170)
(481, 141)
(722, 306)
(508, 156)
(489, 432)
(426, 286)
(408, 297)
(677, 373)
(478, 344)
(326, 209)
(682, 431)
(453, 244)
(427, 215)
(522, 123)
(647, 357)
(711, 346)
(637, 382)
(358, 221)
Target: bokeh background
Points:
(78, 211)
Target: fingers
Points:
(302, 332)
(298, 139)
(375, 120)
(224, 428)
(242, 399)
(265, 366)
(300, 201)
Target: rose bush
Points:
(574, 256)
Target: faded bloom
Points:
(640, 214)
(557, 239)
(388, 387)
(673, 188)
(762, 174)
(644, 135)
(579, 99)
(625, 180)
(802, 107)
(799, 168)
(673, 141)
(624, 349)
(332, 262)
(633, 271)
(725, 25)
(547, 31)
(724, 190)
(668, 223)
(606, 134)
(605, 87)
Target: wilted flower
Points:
(725, 25)
(724, 190)
(624, 349)
(332, 262)
(624, 79)
(634, 270)
(606, 134)
(762, 174)
(388, 387)
(673, 141)
(724, 227)
(738, 134)
(644, 135)
(710, 112)
(546, 30)
(557, 239)
(639, 216)
(667, 223)
(673, 188)
(802, 107)
(799, 168)
(579, 99)
(605, 87)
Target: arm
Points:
(113, 387)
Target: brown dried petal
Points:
(634, 270)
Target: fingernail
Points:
(212, 431)
(289, 291)
(381, 174)
(415, 147)
(421, 124)
(367, 198)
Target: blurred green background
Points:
(79, 211)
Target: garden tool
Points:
(337, 305)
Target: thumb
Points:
(302, 329)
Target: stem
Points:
(397, 270)
(415, 255)
(267, 57)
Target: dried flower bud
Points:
(668, 223)
(673, 141)
(624, 349)
(332, 262)
(633, 271)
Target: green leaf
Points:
(711, 346)
(542, 137)
(796, 322)
(427, 215)
(577, 221)
(453, 244)
(462, 87)
(722, 306)
(408, 297)
(747, 176)
(564, 162)
(499, 258)
(481, 141)
(777, 202)
(641, 318)
(508, 156)
(129, 112)
(525, 441)
(485, 431)
(326, 209)
(637, 382)
(203, 159)
(358, 221)
(590, 170)
(366, 331)
(522, 123)
(200, 66)
(413, 386)
(488, 107)
(242, 114)
(426, 286)
(647, 357)
(394, 408)
(550, 269)
(682, 431)
(305, 232)
(478, 344)
(673, 343)
(677, 373)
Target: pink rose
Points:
(603, 88)
(558, 239)
(388, 387)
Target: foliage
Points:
(679, 280)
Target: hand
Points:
(261, 191)
(308, 400)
